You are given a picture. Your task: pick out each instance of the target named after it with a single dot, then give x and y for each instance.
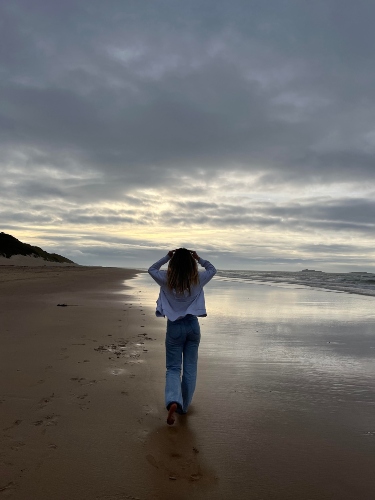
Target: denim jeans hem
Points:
(179, 407)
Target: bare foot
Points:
(171, 411)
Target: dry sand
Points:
(81, 393)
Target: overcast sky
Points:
(243, 129)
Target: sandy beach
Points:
(75, 389)
(82, 410)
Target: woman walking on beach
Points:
(181, 300)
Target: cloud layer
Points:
(243, 128)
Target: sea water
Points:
(356, 282)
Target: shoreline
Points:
(277, 280)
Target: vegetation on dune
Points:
(9, 245)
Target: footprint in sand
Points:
(172, 452)
(6, 487)
(47, 421)
(16, 446)
(82, 402)
(152, 460)
(44, 401)
(16, 423)
(83, 396)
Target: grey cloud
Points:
(192, 206)
(100, 219)
(324, 213)
(352, 211)
(221, 99)
(333, 249)
(26, 217)
(32, 189)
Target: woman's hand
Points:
(195, 255)
(170, 253)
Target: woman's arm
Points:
(154, 270)
(209, 272)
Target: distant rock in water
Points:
(11, 247)
(310, 271)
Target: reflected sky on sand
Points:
(306, 334)
(285, 389)
(309, 335)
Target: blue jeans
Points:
(181, 347)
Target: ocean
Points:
(356, 282)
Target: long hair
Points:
(182, 271)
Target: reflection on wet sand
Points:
(284, 400)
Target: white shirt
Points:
(177, 305)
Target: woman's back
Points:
(178, 303)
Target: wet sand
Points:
(284, 406)
(82, 410)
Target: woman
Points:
(181, 299)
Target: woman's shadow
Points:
(176, 458)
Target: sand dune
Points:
(30, 261)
